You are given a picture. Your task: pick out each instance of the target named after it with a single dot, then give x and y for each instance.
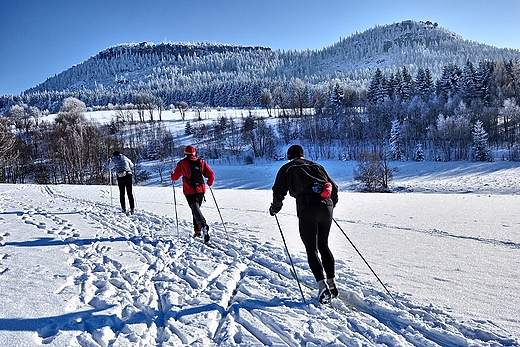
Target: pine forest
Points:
(404, 91)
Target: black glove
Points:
(274, 210)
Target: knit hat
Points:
(116, 153)
(295, 151)
(189, 150)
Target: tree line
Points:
(234, 76)
(463, 115)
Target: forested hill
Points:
(409, 43)
(229, 75)
(143, 65)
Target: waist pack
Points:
(121, 174)
(325, 190)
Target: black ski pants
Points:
(195, 201)
(125, 183)
(314, 224)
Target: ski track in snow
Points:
(137, 283)
(441, 233)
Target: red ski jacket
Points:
(183, 169)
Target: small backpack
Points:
(196, 179)
(310, 179)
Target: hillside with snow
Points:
(219, 74)
(74, 271)
(169, 65)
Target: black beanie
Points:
(295, 151)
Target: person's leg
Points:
(327, 259)
(311, 222)
(130, 192)
(204, 225)
(121, 186)
(324, 223)
(194, 201)
(308, 225)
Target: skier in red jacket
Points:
(193, 187)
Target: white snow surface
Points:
(74, 271)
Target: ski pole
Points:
(290, 259)
(135, 200)
(365, 261)
(218, 209)
(134, 178)
(111, 200)
(175, 205)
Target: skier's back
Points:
(194, 193)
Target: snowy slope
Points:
(76, 272)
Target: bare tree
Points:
(182, 106)
(7, 138)
(199, 107)
(373, 171)
(19, 115)
(72, 112)
(160, 166)
(140, 104)
(298, 96)
(266, 100)
(160, 107)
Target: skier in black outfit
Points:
(123, 168)
(316, 195)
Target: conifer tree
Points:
(418, 153)
(188, 129)
(376, 92)
(396, 147)
(480, 142)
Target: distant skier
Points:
(192, 171)
(123, 168)
(316, 195)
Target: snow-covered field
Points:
(76, 272)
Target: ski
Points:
(209, 244)
(339, 306)
(338, 303)
(302, 282)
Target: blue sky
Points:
(40, 38)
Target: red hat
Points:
(189, 150)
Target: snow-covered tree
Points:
(336, 95)
(188, 129)
(182, 106)
(418, 153)
(72, 112)
(266, 100)
(396, 147)
(510, 113)
(480, 142)
(377, 92)
(7, 138)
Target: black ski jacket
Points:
(297, 177)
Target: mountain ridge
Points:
(378, 45)
(234, 75)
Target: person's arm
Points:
(279, 191)
(130, 163)
(208, 173)
(177, 172)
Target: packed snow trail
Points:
(131, 281)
